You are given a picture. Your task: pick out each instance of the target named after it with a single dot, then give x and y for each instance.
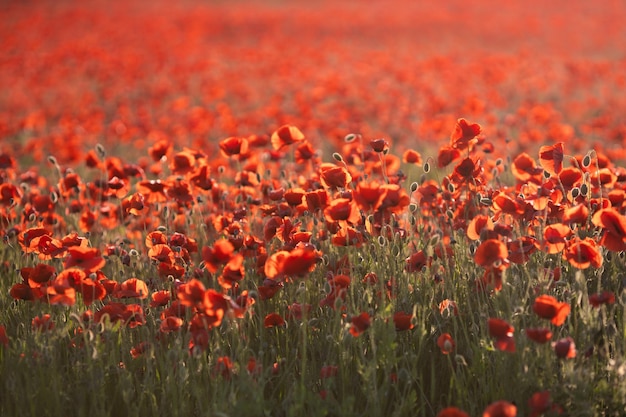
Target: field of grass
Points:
(289, 208)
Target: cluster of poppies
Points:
(246, 159)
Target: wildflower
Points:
(539, 335)
(551, 158)
(328, 371)
(85, 258)
(548, 307)
(446, 343)
(191, 293)
(42, 323)
(342, 209)
(4, 339)
(160, 298)
(139, 349)
(604, 297)
(379, 145)
(464, 134)
(333, 176)
(448, 308)
(583, 253)
(490, 251)
(411, 156)
(525, 169)
(132, 288)
(539, 403)
(224, 367)
(286, 135)
(614, 228)
(503, 333)
(565, 348)
(555, 238)
(500, 409)
(273, 320)
(298, 311)
(452, 412)
(171, 324)
(359, 324)
(234, 146)
(403, 321)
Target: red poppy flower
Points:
(447, 155)
(521, 249)
(286, 135)
(85, 258)
(316, 200)
(4, 339)
(191, 293)
(171, 324)
(219, 254)
(613, 224)
(578, 214)
(464, 134)
(215, 306)
(448, 308)
(503, 333)
(140, 349)
(554, 238)
(160, 298)
(25, 238)
(224, 367)
(542, 335)
(604, 297)
(403, 321)
(446, 343)
(300, 262)
(396, 199)
(525, 169)
(183, 162)
(42, 323)
(479, 225)
(548, 307)
(9, 194)
(162, 253)
(153, 191)
(328, 371)
(348, 236)
(500, 409)
(273, 320)
(333, 176)
(298, 311)
(304, 152)
(379, 145)
(551, 158)
(343, 209)
(411, 156)
(269, 289)
(232, 273)
(132, 288)
(21, 291)
(584, 253)
(61, 294)
(234, 146)
(452, 412)
(490, 251)
(360, 324)
(565, 348)
(369, 196)
(90, 290)
(37, 275)
(539, 403)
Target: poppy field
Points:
(288, 208)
